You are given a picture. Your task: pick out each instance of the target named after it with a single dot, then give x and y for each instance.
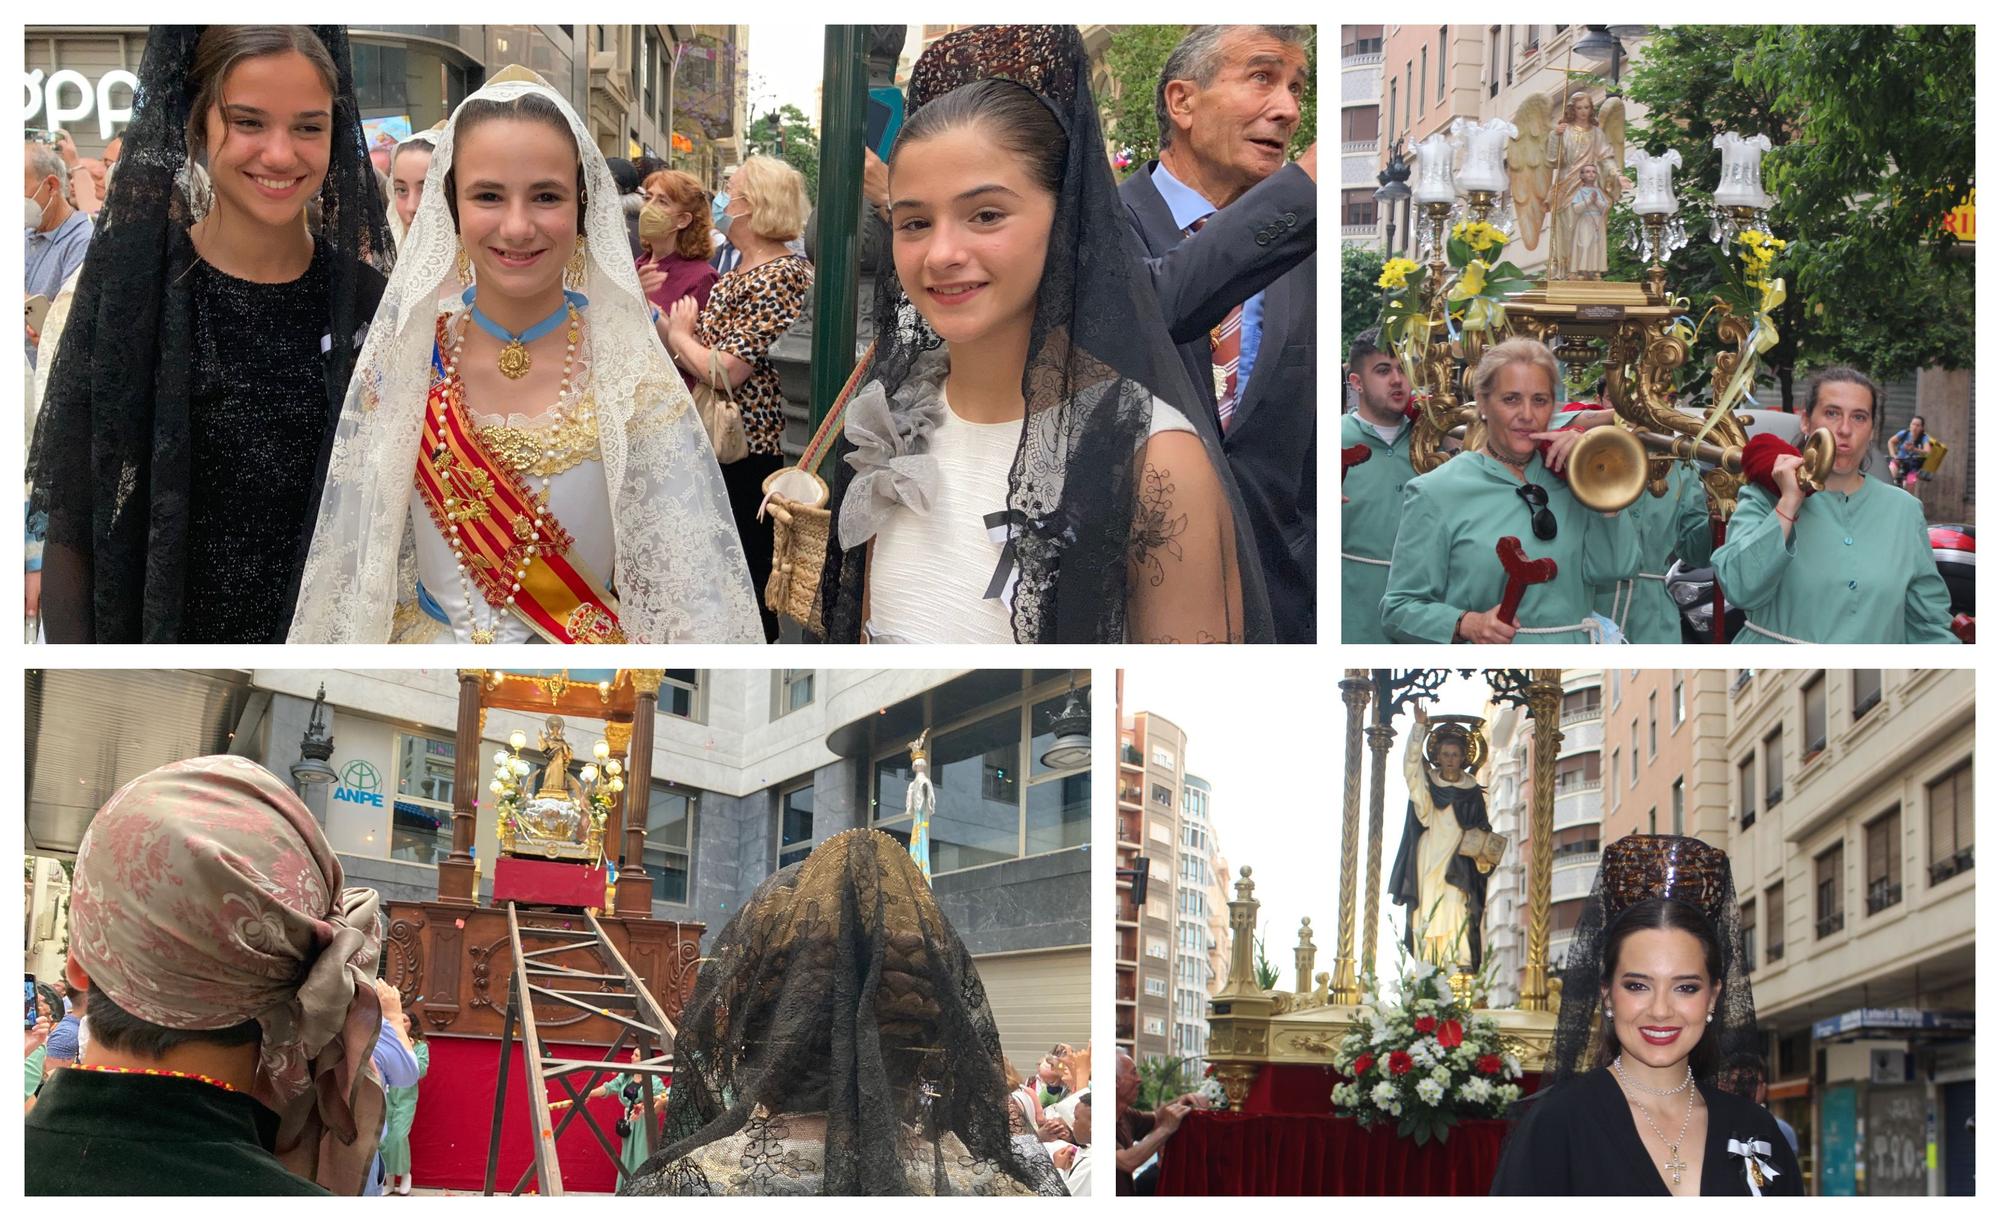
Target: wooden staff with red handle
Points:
(1521, 573)
(1353, 456)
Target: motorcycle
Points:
(1953, 549)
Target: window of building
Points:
(1357, 207)
(1577, 773)
(420, 824)
(1392, 106)
(795, 825)
(1829, 913)
(1679, 797)
(1582, 704)
(1510, 55)
(1774, 922)
(1616, 689)
(1162, 795)
(1156, 947)
(1635, 750)
(1441, 36)
(1815, 726)
(1157, 909)
(1163, 756)
(1360, 40)
(1410, 90)
(1774, 767)
(1746, 790)
(1749, 947)
(1653, 821)
(794, 691)
(1156, 1025)
(1949, 801)
(1156, 987)
(1652, 725)
(1423, 74)
(680, 694)
(1360, 124)
(670, 841)
(1614, 772)
(1867, 690)
(1680, 700)
(997, 800)
(1885, 861)
(1160, 830)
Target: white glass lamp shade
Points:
(1742, 183)
(1654, 192)
(602, 750)
(1434, 170)
(1485, 144)
(517, 740)
(589, 773)
(614, 768)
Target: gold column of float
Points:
(1381, 736)
(1239, 1015)
(1304, 953)
(1545, 706)
(1346, 987)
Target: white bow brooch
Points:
(1756, 1171)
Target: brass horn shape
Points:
(1818, 453)
(1607, 469)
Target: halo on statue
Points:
(1474, 730)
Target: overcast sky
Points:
(1272, 744)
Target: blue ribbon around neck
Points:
(550, 323)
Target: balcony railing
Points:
(1828, 925)
(1130, 756)
(1589, 712)
(1585, 848)
(1951, 866)
(1882, 893)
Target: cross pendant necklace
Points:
(1674, 1165)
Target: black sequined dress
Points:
(258, 411)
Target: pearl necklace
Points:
(1618, 1066)
(1673, 1165)
(486, 633)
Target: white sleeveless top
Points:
(582, 503)
(929, 574)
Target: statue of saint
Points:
(1589, 211)
(1546, 171)
(555, 776)
(920, 802)
(1448, 845)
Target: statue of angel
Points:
(920, 802)
(1585, 137)
(1528, 166)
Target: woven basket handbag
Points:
(801, 521)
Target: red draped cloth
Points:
(1221, 1153)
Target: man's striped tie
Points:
(1224, 346)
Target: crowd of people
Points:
(489, 385)
(1421, 557)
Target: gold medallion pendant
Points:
(482, 635)
(514, 361)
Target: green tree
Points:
(1163, 1079)
(1872, 130)
(1135, 57)
(1360, 299)
(787, 133)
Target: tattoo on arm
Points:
(1156, 528)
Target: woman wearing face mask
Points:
(1021, 461)
(194, 391)
(675, 247)
(1848, 565)
(727, 341)
(1655, 997)
(1445, 580)
(514, 420)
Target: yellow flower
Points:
(1395, 273)
(1471, 281)
(1479, 235)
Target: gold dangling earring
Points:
(573, 272)
(464, 266)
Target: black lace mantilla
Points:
(151, 425)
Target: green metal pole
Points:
(836, 276)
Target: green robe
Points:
(1368, 526)
(1675, 524)
(401, 1113)
(637, 1147)
(1444, 563)
(1857, 569)
(33, 1066)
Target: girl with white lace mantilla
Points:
(520, 462)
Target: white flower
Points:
(1441, 1075)
(1383, 1095)
(1344, 1094)
(1430, 1090)
(1507, 1093)
(1444, 990)
(1513, 1065)
(1476, 1090)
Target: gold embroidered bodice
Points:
(547, 450)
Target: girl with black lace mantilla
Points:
(839, 1042)
(197, 380)
(1023, 462)
(1655, 997)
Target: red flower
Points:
(1209, 1071)
(1488, 1064)
(1425, 1025)
(1362, 1063)
(1451, 1034)
(1399, 1063)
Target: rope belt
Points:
(1627, 593)
(1588, 627)
(1362, 559)
(1780, 637)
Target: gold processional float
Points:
(1567, 173)
(1251, 1028)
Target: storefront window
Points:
(420, 825)
(977, 773)
(795, 827)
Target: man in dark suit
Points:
(1230, 231)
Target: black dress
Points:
(1579, 1139)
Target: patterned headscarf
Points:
(206, 896)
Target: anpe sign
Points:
(361, 784)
